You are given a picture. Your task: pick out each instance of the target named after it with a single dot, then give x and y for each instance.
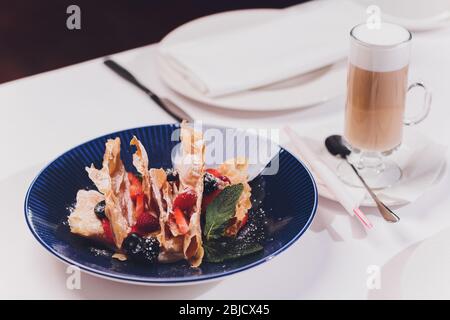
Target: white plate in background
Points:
(306, 90)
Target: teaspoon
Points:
(337, 148)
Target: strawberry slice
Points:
(135, 191)
(140, 205)
(107, 232)
(135, 186)
(217, 174)
(133, 179)
(244, 220)
(207, 199)
(186, 201)
(180, 220)
(145, 223)
(214, 172)
(224, 179)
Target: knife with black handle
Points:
(167, 105)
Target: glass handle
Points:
(425, 106)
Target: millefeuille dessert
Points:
(154, 214)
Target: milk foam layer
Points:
(380, 49)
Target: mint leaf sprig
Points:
(221, 210)
(218, 251)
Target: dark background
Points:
(34, 37)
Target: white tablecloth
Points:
(44, 115)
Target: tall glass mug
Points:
(377, 86)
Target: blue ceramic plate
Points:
(289, 198)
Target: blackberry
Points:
(209, 183)
(150, 249)
(99, 210)
(172, 175)
(141, 249)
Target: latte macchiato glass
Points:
(377, 86)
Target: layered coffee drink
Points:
(377, 85)
(375, 108)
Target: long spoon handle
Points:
(386, 213)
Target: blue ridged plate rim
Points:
(289, 196)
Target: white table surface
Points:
(44, 115)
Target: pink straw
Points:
(362, 217)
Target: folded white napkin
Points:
(293, 43)
(422, 162)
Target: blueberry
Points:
(172, 175)
(132, 244)
(209, 183)
(100, 210)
